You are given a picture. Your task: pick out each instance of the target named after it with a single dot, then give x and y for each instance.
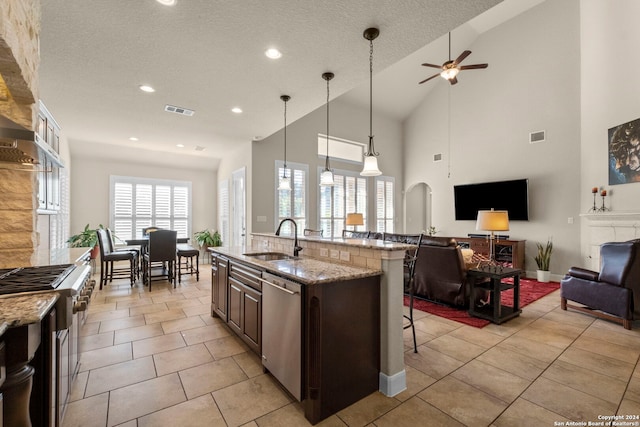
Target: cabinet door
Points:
(252, 318)
(214, 287)
(235, 305)
(221, 294)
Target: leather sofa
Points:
(614, 292)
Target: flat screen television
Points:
(512, 196)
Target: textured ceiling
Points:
(208, 56)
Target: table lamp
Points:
(492, 221)
(355, 219)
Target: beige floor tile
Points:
(183, 303)
(163, 316)
(633, 389)
(455, 347)
(536, 349)
(157, 298)
(134, 303)
(105, 356)
(107, 315)
(421, 338)
(155, 394)
(526, 414)
(89, 329)
(93, 342)
(569, 330)
(431, 362)
(132, 423)
(569, 317)
(250, 399)
(476, 336)
(293, 415)
(100, 308)
(436, 326)
(463, 402)
(566, 401)
(183, 324)
(79, 386)
(250, 363)
(416, 382)
(205, 333)
(119, 375)
(226, 347)
(210, 377)
(124, 323)
(545, 336)
(598, 363)
(197, 310)
(208, 320)
(614, 337)
(205, 299)
(629, 408)
(90, 412)
(138, 333)
(147, 308)
(368, 409)
(199, 412)
(590, 382)
(416, 412)
(491, 380)
(515, 363)
(181, 358)
(158, 344)
(612, 350)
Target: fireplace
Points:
(599, 228)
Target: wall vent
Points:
(199, 148)
(178, 110)
(535, 137)
(437, 157)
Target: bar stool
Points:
(188, 252)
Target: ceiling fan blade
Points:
(474, 66)
(432, 65)
(462, 56)
(453, 81)
(429, 78)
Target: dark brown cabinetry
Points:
(219, 288)
(507, 251)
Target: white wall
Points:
(347, 122)
(90, 190)
(532, 83)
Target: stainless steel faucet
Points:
(296, 247)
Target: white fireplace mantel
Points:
(602, 227)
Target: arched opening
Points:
(417, 208)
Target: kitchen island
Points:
(315, 324)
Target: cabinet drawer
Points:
(247, 275)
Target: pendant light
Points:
(285, 182)
(370, 156)
(326, 177)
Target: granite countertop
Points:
(308, 271)
(25, 309)
(375, 244)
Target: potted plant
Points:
(206, 238)
(543, 258)
(87, 238)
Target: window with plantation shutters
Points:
(348, 195)
(138, 203)
(292, 203)
(384, 204)
(223, 208)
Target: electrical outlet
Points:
(324, 252)
(570, 220)
(344, 256)
(335, 254)
(261, 218)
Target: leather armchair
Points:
(614, 292)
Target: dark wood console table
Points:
(495, 311)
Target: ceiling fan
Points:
(450, 69)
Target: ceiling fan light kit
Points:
(285, 183)
(450, 68)
(370, 167)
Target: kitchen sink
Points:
(270, 256)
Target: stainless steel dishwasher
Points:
(282, 331)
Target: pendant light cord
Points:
(326, 164)
(284, 173)
(371, 151)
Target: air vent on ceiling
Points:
(199, 148)
(179, 110)
(437, 157)
(535, 137)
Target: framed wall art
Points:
(624, 153)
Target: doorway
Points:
(238, 208)
(417, 209)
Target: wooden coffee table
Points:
(495, 311)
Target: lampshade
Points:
(285, 183)
(355, 219)
(370, 166)
(449, 73)
(493, 220)
(326, 178)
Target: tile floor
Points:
(160, 359)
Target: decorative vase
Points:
(543, 276)
(95, 251)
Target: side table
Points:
(495, 311)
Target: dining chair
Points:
(161, 254)
(137, 250)
(108, 258)
(186, 253)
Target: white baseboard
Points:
(392, 385)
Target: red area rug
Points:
(530, 291)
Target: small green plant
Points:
(87, 238)
(544, 255)
(207, 238)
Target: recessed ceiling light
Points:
(133, 138)
(236, 110)
(273, 53)
(146, 88)
(180, 145)
(167, 2)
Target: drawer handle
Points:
(280, 288)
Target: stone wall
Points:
(19, 61)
